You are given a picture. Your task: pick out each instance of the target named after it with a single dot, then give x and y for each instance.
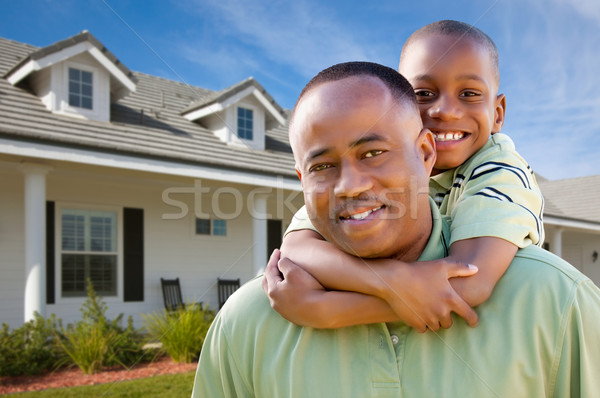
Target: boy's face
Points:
(364, 162)
(456, 88)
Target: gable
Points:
(238, 115)
(49, 73)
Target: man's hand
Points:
(421, 295)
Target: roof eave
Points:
(572, 223)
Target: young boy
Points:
(479, 180)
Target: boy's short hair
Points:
(456, 28)
(398, 86)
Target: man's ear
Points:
(426, 145)
(500, 111)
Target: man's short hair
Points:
(399, 87)
(459, 29)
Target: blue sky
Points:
(549, 52)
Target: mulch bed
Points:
(75, 377)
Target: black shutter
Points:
(49, 252)
(274, 236)
(133, 260)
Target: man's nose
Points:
(352, 180)
(445, 108)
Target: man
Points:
(364, 161)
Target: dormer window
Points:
(238, 115)
(80, 88)
(77, 77)
(244, 123)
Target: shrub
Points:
(30, 349)
(181, 332)
(95, 341)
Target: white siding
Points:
(51, 85)
(172, 249)
(578, 249)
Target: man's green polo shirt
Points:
(538, 336)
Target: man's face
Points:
(456, 87)
(364, 162)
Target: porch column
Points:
(35, 239)
(259, 233)
(556, 244)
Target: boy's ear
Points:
(500, 111)
(426, 144)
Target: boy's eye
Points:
(469, 94)
(424, 93)
(373, 153)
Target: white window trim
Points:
(254, 110)
(73, 110)
(60, 206)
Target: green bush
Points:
(181, 332)
(30, 349)
(96, 342)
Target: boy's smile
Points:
(456, 85)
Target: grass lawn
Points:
(167, 386)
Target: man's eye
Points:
(320, 167)
(373, 153)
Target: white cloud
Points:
(304, 36)
(585, 8)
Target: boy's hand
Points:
(421, 295)
(293, 292)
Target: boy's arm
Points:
(301, 299)
(420, 294)
(491, 255)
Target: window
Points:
(244, 123)
(80, 88)
(88, 250)
(219, 228)
(202, 226)
(211, 227)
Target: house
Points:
(572, 221)
(127, 178)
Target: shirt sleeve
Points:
(500, 199)
(218, 372)
(578, 360)
(300, 221)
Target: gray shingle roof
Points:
(145, 123)
(577, 198)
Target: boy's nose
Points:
(444, 109)
(352, 181)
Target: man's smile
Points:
(361, 215)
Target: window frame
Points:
(237, 119)
(212, 228)
(80, 95)
(66, 107)
(60, 207)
